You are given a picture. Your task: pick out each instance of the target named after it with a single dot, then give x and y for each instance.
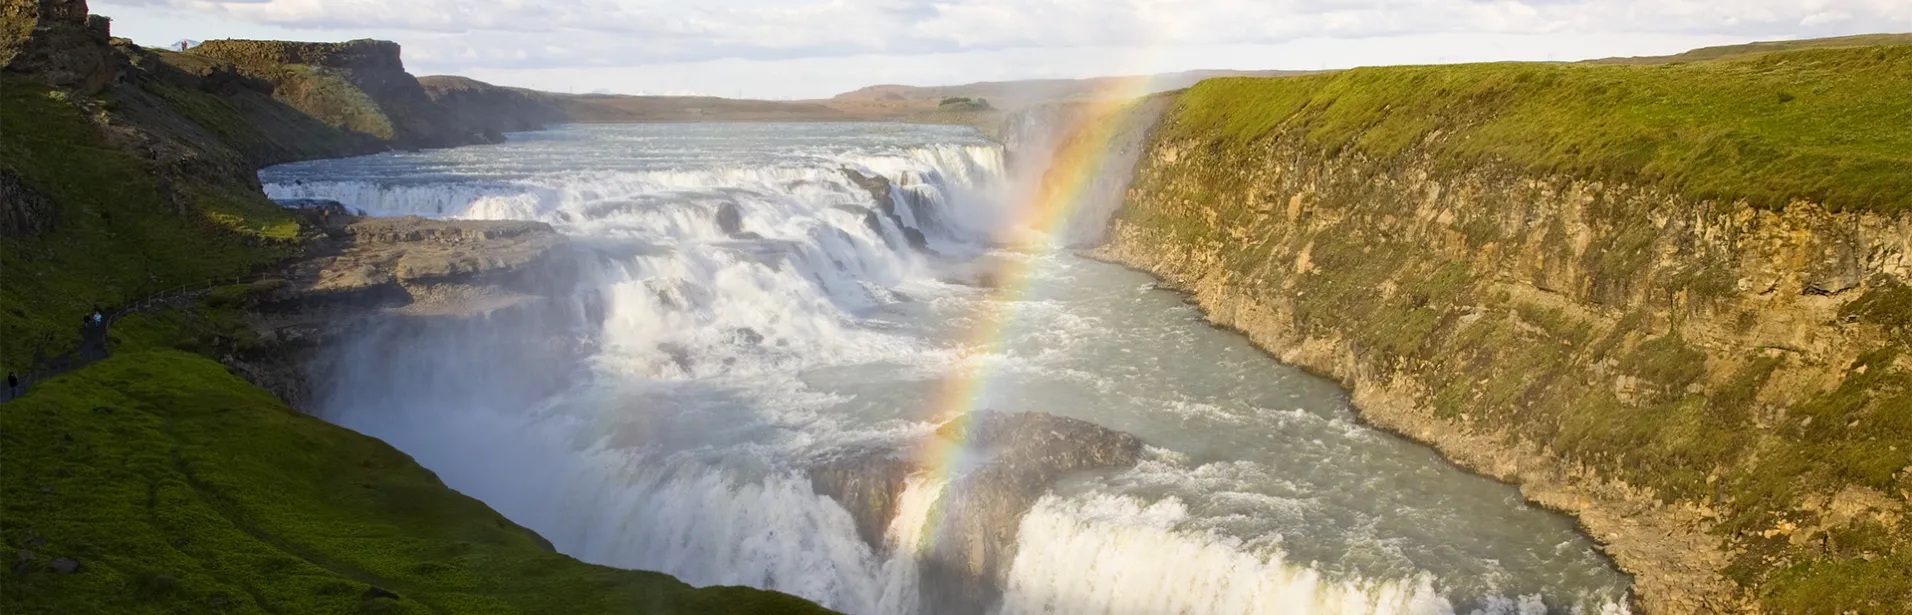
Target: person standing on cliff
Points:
(13, 385)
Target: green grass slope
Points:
(1724, 51)
(158, 482)
(1830, 125)
(321, 93)
(115, 235)
(241, 113)
(179, 488)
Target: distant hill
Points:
(1714, 53)
(621, 108)
(1015, 94)
(987, 102)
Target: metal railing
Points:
(83, 356)
(183, 290)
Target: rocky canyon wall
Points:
(1720, 392)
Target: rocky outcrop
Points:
(23, 211)
(418, 264)
(1700, 383)
(879, 188)
(361, 85)
(981, 511)
(1021, 455)
(866, 482)
(402, 274)
(57, 42)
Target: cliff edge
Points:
(359, 85)
(158, 480)
(1675, 301)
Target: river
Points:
(746, 305)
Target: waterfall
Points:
(753, 298)
(1032, 135)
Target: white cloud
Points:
(525, 36)
(505, 33)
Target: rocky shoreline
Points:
(1328, 230)
(1543, 479)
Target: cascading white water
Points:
(747, 307)
(1111, 554)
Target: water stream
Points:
(750, 306)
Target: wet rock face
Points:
(1021, 456)
(866, 482)
(729, 220)
(982, 510)
(879, 189)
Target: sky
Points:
(797, 49)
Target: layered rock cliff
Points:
(360, 85)
(58, 41)
(1714, 377)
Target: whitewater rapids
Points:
(754, 299)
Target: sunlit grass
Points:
(1828, 125)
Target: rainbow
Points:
(1082, 151)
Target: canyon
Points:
(1692, 339)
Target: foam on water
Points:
(661, 414)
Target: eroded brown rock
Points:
(1429, 290)
(419, 263)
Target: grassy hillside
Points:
(158, 482)
(1830, 125)
(356, 85)
(116, 235)
(1600, 331)
(179, 488)
(320, 93)
(1724, 51)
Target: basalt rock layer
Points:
(1720, 389)
(359, 85)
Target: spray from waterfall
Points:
(751, 298)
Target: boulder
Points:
(981, 510)
(879, 189)
(729, 220)
(980, 513)
(866, 482)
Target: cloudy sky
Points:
(815, 48)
